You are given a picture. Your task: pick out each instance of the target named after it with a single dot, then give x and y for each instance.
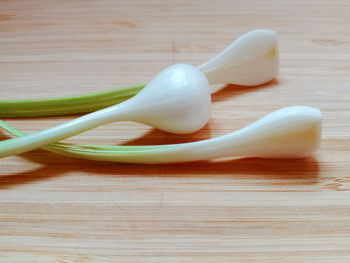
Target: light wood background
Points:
(58, 209)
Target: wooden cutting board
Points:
(59, 209)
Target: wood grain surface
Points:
(59, 209)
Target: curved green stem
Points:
(62, 145)
(93, 152)
(68, 129)
(184, 152)
(66, 105)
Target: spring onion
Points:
(177, 100)
(291, 132)
(250, 60)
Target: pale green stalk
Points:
(66, 105)
(201, 150)
(38, 139)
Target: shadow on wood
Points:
(53, 165)
(231, 90)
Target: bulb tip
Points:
(308, 139)
(310, 114)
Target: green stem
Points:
(66, 105)
(39, 139)
(152, 154)
(92, 152)
(19, 133)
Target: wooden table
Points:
(59, 209)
